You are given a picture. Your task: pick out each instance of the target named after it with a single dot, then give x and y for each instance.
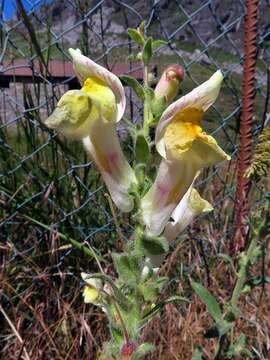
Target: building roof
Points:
(24, 70)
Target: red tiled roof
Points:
(21, 67)
(59, 69)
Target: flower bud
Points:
(128, 349)
(169, 82)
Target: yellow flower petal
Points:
(73, 115)
(87, 68)
(90, 114)
(90, 294)
(182, 131)
(197, 204)
(77, 110)
(206, 151)
(200, 98)
(98, 90)
(185, 149)
(91, 289)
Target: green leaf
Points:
(224, 326)
(197, 355)
(127, 266)
(239, 348)
(134, 84)
(143, 350)
(173, 299)
(110, 349)
(149, 93)
(209, 300)
(158, 43)
(255, 254)
(117, 336)
(154, 311)
(148, 291)
(142, 149)
(155, 245)
(135, 36)
(247, 352)
(132, 319)
(142, 27)
(147, 51)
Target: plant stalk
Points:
(146, 106)
(242, 275)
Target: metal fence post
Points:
(246, 122)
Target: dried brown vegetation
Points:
(46, 318)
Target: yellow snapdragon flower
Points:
(90, 114)
(185, 149)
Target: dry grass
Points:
(44, 305)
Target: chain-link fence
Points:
(48, 189)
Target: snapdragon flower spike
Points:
(185, 150)
(90, 114)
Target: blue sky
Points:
(9, 6)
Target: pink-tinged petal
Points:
(200, 98)
(172, 182)
(191, 206)
(104, 148)
(173, 179)
(85, 68)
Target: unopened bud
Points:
(169, 82)
(128, 350)
(141, 28)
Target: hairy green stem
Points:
(138, 241)
(123, 325)
(242, 274)
(147, 117)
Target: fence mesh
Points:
(46, 180)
